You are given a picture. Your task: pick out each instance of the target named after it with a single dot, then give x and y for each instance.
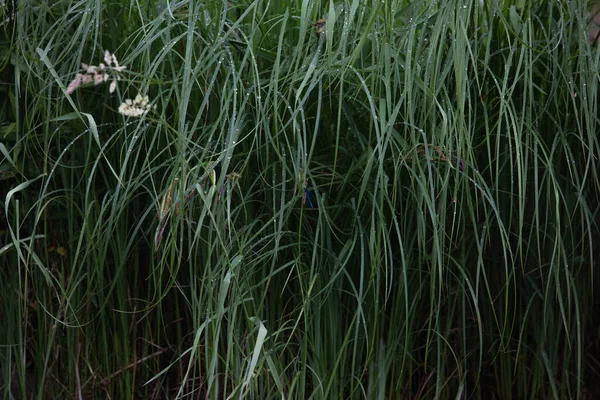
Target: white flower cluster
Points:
(136, 107)
(98, 74)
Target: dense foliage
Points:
(343, 199)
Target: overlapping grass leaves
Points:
(398, 201)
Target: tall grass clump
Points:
(299, 199)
